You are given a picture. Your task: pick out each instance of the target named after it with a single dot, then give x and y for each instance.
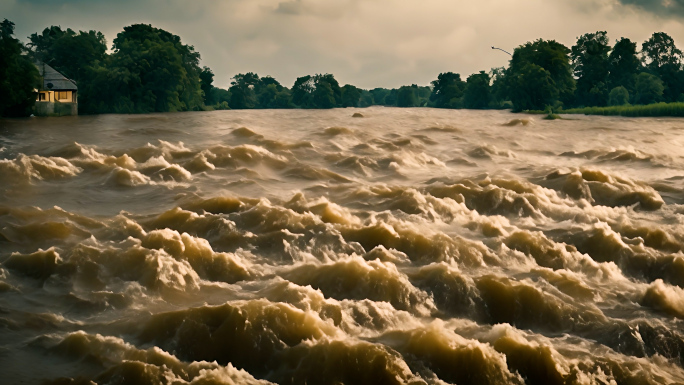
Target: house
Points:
(58, 94)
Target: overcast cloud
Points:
(368, 43)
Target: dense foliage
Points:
(68, 52)
(18, 76)
(151, 70)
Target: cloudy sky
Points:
(368, 43)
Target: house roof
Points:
(53, 80)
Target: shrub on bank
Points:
(653, 110)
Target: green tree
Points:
(271, 94)
(106, 90)
(407, 96)
(618, 96)
(18, 76)
(318, 91)
(242, 91)
(351, 96)
(302, 91)
(391, 97)
(499, 91)
(477, 92)
(649, 89)
(67, 51)
(532, 88)
(221, 95)
(329, 79)
(660, 50)
(539, 75)
(324, 96)
(366, 99)
(206, 80)
(151, 70)
(379, 95)
(663, 59)
(447, 91)
(590, 61)
(623, 65)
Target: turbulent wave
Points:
(409, 247)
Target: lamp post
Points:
(502, 50)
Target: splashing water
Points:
(405, 246)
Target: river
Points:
(406, 246)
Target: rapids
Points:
(406, 246)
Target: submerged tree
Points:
(18, 76)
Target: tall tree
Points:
(318, 91)
(499, 91)
(623, 65)
(447, 91)
(532, 87)
(151, 70)
(649, 89)
(351, 96)
(539, 75)
(379, 95)
(663, 59)
(477, 91)
(18, 76)
(67, 51)
(407, 96)
(302, 91)
(242, 91)
(324, 96)
(206, 80)
(590, 61)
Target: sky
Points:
(367, 43)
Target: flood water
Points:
(408, 246)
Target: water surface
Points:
(415, 246)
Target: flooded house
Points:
(58, 94)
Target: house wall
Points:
(55, 109)
(56, 103)
(57, 96)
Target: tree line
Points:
(151, 70)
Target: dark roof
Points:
(58, 81)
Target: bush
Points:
(649, 89)
(657, 109)
(619, 96)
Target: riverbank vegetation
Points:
(653, 110)
(151, 70)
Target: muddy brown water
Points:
(415, 246)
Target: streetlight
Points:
(502, 50)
